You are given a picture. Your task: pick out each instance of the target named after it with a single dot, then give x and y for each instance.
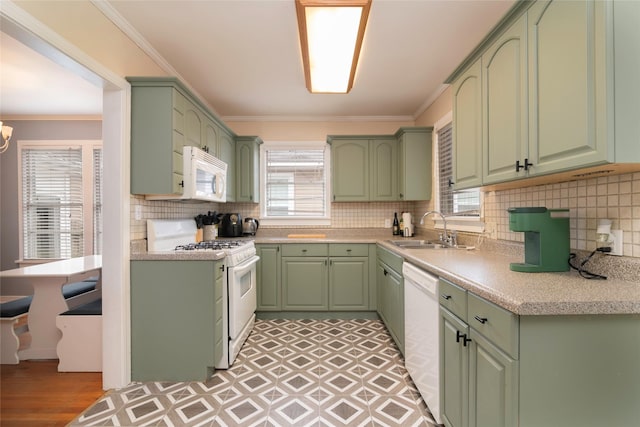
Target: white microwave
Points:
(204, 178)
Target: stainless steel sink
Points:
(425, 244)
(417, 244)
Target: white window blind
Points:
(97, 201)
(52, 203)
(60, 199)
(295, 183)
(461, 202)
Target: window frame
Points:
(323, 220)
(472, 224)
(87, 149)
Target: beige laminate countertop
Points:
(487, 274)
(481, 272)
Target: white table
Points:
(47, 281)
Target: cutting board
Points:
(307, 236)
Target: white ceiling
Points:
(33, 85)
(243, 57)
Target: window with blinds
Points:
(56, 204)
(295, 184)
(461, 202)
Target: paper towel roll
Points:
(407, 225)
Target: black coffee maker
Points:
(230, 225)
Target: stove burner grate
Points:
(209, 245)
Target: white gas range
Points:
(239, 287)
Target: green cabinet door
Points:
(305, 283)
(176, 324)
(505, 132)
(268, 278)
(493, 385)
(227, 153)
(193, 125)
(383, 161)
(350, 170)
(415, 168)
(210, 137)
(567, 84)
(248, 169)
(454, 370)
(391, 302)
(348, 283)
(157, 139)
(467, 128)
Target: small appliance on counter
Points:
(230, 225)
(407, 225)
(546, 238)
(250, 226)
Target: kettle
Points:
(250, 226)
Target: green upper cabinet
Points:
(166, 117)
(559, 85)
(193, 125)
(567, 84)
(504, 83)
(467, 128)
(350, 169)
(248, 169)
(383, 173)
(157, 139)
(227, 153)
(416, 164)
(210, 137)
(382, 167)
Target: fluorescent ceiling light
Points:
(331, 34)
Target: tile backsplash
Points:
(614, 197)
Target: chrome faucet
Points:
(445, 236)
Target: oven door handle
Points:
(245, 265)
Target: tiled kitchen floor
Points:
(289, 373)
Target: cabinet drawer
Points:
(454, 298)
(295, 249)
(348, 249)
(495, 323)
(392, 260)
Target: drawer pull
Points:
(304, 250)
(446, 296)
(465, 341)
(482, 320)
(460, 335)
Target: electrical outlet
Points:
(387, 223)
(137, 212)
(616, 246)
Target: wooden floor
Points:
(34, 393)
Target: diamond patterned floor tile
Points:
(320, 373)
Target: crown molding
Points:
(318, 118)
(119, 21)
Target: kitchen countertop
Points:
(487, 274)
(483, 272)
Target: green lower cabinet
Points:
(176, 320)
(316, 277)
(349, 283)
(454, 371)
(504, 370)
(390, 289)
(268, 278)
(493, 385)
(305, 283)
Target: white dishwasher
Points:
(421, 334)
